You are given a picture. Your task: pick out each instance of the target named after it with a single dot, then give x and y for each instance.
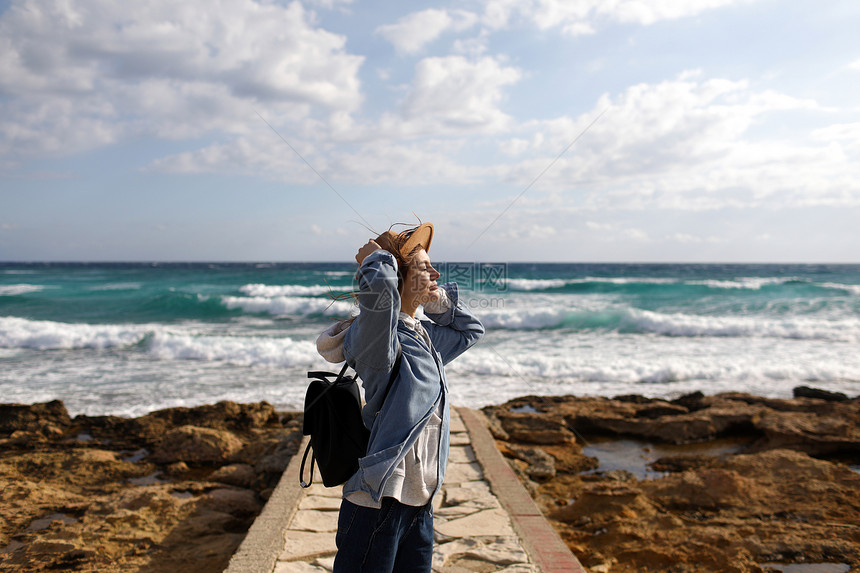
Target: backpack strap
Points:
(324, 375)
(302, 482)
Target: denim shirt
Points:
(371, 345)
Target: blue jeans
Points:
(395, 538)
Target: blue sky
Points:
(726, 130)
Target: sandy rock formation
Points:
(786, 497)
(174, 490)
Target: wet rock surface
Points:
(788, 492)
(175, 490)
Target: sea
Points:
(129, 338)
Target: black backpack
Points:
(332, 419)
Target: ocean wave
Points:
(626, 281)
(851, 289)
(637, 321)
(15, 290)
(747, 283)
(47, 335)
(239, 350)
(797, 327)
(521, 284)
(288, 306)
(739, 283)
(159, 342)
(535, 284)
(483, 376)
(261, 290)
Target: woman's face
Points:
(420, 283)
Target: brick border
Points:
(541, 541)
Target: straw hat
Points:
(403, 243)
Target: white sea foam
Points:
(48, 335)
(554, 315)
(241, 350)
(627, 280)
(795, 327)
(520, 284)
(500, 369)
(749, 283)
(852, 289)
(288, 306)
(524, 318)
(14, 290)
(180, 342)
(534, 284)
(262, 290)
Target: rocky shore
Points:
(175, 490)
(725, 483)
(752, 484)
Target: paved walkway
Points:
(484, 519)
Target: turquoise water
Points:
(129, 338)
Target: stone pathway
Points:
(475, 532)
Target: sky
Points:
(524, 130)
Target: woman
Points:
(386, 522)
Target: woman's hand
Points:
(368, 248)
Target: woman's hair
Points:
(391, 242)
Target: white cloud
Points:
(411, 33)
(80, 75)
(449, 98)
(848, 133)
(687, 238)
(686, 144)
(514, 146)
(460, 93)
(682, 144)
(330, 4)
(582, 17)
(855, 66)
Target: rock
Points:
(536, 428)
(192, 444)
(681, 463)
(241, 475)
(223, 415)
(819, 394)
(661, 421)
(660, 409)
(719, 513)
(236, 502)
(274, 463)
(25, 439)
(632, 399)
(33, 417)
(599, 503)
(692, 402)
(709, 488)
(150, 429)
(177, 469)
(96, 500)
(540, 465)
(813, 433)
